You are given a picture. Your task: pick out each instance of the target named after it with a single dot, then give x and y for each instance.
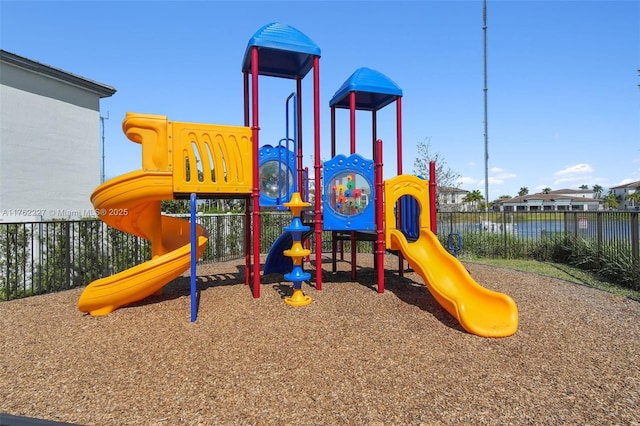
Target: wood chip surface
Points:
(352, 357)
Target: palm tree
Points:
(634, 198)
(523, 191)
(546, 190)
(473, 197)
(597, 191)
(583, 187)
(611, 201)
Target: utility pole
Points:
(486, 114)
(102, 118)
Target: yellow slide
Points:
(178, 158)
(480, 311)
(131, 203)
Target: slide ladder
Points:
(178, 158)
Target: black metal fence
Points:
(607, 243)
(43, 257)
(614, 233)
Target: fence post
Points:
(67, 255)
(635, 237)
(599, 236)
(504, 234)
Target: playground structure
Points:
(352, 200)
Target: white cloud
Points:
(578, 169)
(467, 180)
(500, 175)
(576, 174)
(471, 164)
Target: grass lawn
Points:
(561, 271)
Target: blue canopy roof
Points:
(374, 90)
(283, 51)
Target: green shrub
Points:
(15, 242)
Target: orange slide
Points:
(131, 203)
(479, 310)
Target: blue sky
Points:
(564, 101)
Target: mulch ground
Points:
(352, 357)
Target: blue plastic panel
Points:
(348, 196)
(283, 51)
(274, 189)
(410, 211)
(374, 90)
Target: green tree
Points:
(445, 176)
(175, 206)
(523, 191)
(583, 187)
(611, 201)
(546, 190)
(90, 261)
(126, 250)
(634, 198)
(14, 251)
(597, 191)
(473, 197)
(54, 271)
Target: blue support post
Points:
(194, 259)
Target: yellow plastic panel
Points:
(211, 158)
(151, 132)
(399, 186)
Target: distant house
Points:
(49, 139)
(451, 199)
(559, 200)
(621, 192)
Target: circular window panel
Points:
(274, 174)
(349, 193)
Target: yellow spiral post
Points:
(297, 252)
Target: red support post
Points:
(247, 242)
(334, 234)
(317, 167)
(399, 167)
(246, 98)
(299, 135)
(432, 197)
(247, 205)
(352, 121)
(255, 192)
(352, 125)
(399, 132)
(379, 206)
(374, 147)
(374, 134)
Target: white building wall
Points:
(49, 147)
